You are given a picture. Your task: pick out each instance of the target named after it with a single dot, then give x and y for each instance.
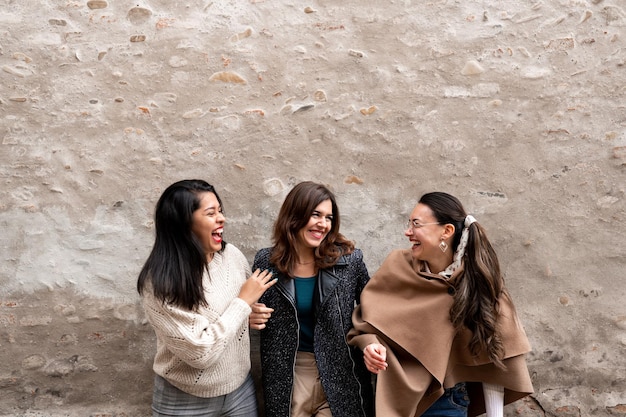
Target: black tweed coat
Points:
(346, 381)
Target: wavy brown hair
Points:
(294, 214)
(478, 289)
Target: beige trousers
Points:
(308, 398)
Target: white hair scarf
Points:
(460, 251)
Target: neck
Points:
(306, 257)
(304, 269)
(438, 265)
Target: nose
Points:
(408, 231)
(221, 218)
(323, 221)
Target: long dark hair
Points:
(294, 214)
(480, 286)
(177, 261)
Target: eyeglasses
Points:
(414, 224)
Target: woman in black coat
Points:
(308, 369)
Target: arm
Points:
(260, 312)
(494, 399)
(363, 336)
(374, 353)
(197, 339)
(362, 276)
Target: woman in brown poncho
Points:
(436, 321)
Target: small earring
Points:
(443, 246)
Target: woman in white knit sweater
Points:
(197, 297)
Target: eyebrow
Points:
(212, 208)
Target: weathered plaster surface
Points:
(518, 108)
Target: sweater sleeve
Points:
(193, 337)
(494, 399)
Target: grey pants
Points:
(168, 401)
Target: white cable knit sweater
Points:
(206, 353)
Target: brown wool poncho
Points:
(408, 311)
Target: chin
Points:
(314, 244)
(416, 255)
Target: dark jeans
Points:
(453, 403)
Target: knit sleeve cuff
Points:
(241, 305)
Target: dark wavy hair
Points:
(295, 213)
(480, 286)
(177, 261)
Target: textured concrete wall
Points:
(518, 108)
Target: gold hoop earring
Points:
(443, 246)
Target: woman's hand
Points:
(259, 316)
(255, 286)
(375, 357)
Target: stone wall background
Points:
(517, 108)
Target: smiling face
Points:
(208, 223)
(426, 237)
(318, 226)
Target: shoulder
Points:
(351, 261)
(354, 257)
(263, 253)
(399, 254)
(231, 255)
(398, 257)
(357, 253)
(262, 256)
(232, 251)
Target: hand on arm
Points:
(255, 286)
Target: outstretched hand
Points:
(255, 286)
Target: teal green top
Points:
(304, 306)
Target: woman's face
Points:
(425, 235)
(208, 223)
(320, 223)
